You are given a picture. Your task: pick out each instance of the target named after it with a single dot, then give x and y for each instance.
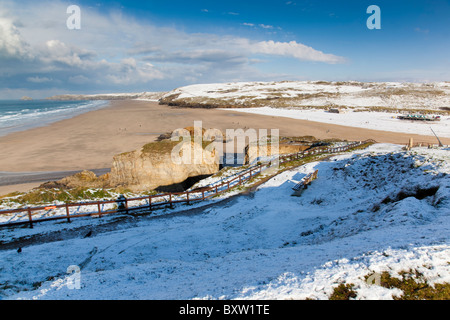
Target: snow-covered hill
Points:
(374, 210)
(317, 94)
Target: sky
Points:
(137, 46)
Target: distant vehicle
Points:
(335, 110)
(419, 117)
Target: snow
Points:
(266, 245)
(365, 103)
(362, 119)
(394, 95)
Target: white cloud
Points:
(58, 51)
(295, 50)
(113, 50)
(12, 45)
(264, 26)
(38, 79)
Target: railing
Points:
(68, 211)
(422, 144)
(306, 181)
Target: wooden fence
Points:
(68, 211)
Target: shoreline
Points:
(45, 118)
(90, 140)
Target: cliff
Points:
(256, 152)
(157, 165)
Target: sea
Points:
(20, 115)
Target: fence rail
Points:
(68, 211)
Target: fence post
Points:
(187, 196)
(67, 213)
(30, 218)
(150, 202)
(99, 210)
(170, 200)
(126, 205)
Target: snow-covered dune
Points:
(375, 210)
(318, 94)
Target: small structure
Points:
(419, 117)
(302, 185)
(335, 110)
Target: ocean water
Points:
(19, 115)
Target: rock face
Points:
(157, 164)
(257, 152)
(162, 163)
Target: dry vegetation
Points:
(412, 283)
(413, 98)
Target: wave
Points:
(19, 115)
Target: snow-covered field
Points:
(362, 119)
(351, 94)
(374, 210)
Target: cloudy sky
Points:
(136, 46)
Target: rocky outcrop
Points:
(159, 164)
(257, 152)
(162, 163)
(84, 179)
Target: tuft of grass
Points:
(166, 146)
(343, 292)
(412, 283)
(415, 286)
(160, 147)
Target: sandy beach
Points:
(89, 141)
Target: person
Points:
(121, 203)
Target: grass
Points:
(46, 196)
(159, 147)
(412, 283)
(166, 146)
(343, 292)
(414, 286)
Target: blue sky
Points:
(134, 46)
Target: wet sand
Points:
(90, 140)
